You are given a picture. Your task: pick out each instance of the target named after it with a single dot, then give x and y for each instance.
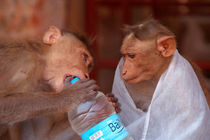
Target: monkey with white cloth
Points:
(177, 109)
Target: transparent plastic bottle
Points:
(96, 119)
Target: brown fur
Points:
(147, 50)
(25, 93)
(11, 55)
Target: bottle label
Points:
(109, 129)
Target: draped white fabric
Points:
(178, 110)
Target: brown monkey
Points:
(34, 77)
(144, 61)
(169, 102)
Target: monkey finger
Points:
(87, 80)
(109, 99)
(93, 87)
(87, 83)
(109, 94)
(83, 80)
(92, 93)
(112, 99)
(117, 110)
(116, 104)
(117, 107)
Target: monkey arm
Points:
(16, 107)
(19, 106)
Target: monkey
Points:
(34, 73)
(150, 62)
(34, 82)
(149, 50)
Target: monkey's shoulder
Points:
(18, 61)
(16, 47)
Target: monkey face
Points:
(141, 60)
(66, 58)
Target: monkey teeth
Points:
(68, 77)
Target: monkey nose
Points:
(87, 76)
(124, 72)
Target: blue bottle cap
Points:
(74, 80)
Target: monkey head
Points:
(145, 59)
(66, 57)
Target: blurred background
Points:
(104, 20)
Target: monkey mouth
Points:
(68, 78)
(128, 80)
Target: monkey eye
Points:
(131, 56)
(85, 57)
(90, 67)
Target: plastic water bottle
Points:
(96, 119)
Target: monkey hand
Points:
(114, 100)
(81, 91)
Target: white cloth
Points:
(178, 110)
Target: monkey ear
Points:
(166, 45)
(52, 35)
